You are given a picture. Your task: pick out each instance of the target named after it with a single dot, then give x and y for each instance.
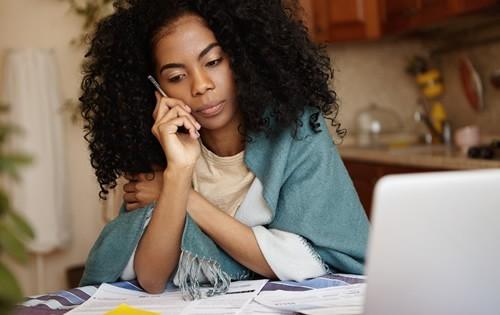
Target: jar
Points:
(373, 122)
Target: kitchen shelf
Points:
(438, 157)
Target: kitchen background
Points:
(369, 68)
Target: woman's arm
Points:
(159, 248)
(237, 239)
(209, 218)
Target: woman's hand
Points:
(181, 149)
(142, 189)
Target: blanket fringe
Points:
(192, 268)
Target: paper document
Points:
(256, 308)
(108, 297)
(334, 300)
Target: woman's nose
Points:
(201, 83)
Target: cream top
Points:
(223, 180)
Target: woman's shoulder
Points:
(311, 137)
(311, 132)
(310, 129)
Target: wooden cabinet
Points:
(366, 174)
(348, 20)
(404, 15)
(343, 20)
(465, 6)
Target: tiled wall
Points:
(374, 72)
(486, 59)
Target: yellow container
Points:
(434, 90)
(438, 116)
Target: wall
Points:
(486, 59)
(373, 72)
(48, 24)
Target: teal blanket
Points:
(306, 186)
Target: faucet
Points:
(431, 134)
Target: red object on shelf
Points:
(471, 83)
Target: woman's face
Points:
(191, 66)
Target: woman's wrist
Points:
(178, 175)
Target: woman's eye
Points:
(214, 62)
(176, 78)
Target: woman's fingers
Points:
(160, 109)
(142, 189)
(139, 177)
(129, 187)
(133, 206)
(178, 111)
(164, 112)
(163, 104)
(130, 197)
(158, 96)
(174, 114)
(131, 177)
(168, 109)
(172, 126)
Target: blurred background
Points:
(418, 86)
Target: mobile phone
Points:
(157, 85)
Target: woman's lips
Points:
(212, 111)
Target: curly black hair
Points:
(276, 68)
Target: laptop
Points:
(434, 247)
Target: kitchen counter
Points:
(367, 165)
(425, 156)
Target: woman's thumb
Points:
(157, 96)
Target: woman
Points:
(249, 181)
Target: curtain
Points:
(31, 89)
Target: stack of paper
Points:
(108, 298)
(316, 296)
(334, 300)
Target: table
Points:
(62, 301)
